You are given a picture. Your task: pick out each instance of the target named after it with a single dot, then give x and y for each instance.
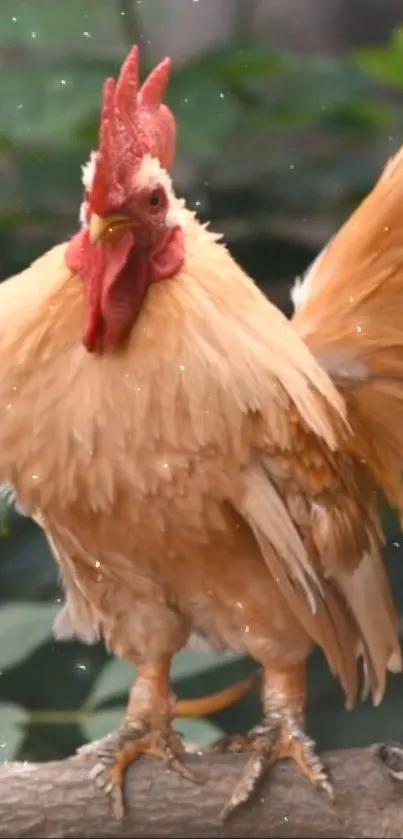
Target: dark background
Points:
(287, 112)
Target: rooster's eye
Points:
(156, 199)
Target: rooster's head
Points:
(132, 233)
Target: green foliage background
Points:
(281, 148)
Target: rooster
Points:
(202, 468)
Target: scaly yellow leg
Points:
(281, 734)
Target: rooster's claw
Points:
(118, 750)
(268, 743)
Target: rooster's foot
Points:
(114, 754)
(281, 735)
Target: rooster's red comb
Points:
(134, 122)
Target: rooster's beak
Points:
(100, 227)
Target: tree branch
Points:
(57, 800)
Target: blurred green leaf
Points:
(320, 84)
(383, 62)
(189, 663)
(358, 114)
(117, 676)
(42, 23)
(23, 627)
(115, 679)
(201, 732)
(314, 91)
(100, 723)
(205, 112)
(27, 567)
(201, 95)
(6, 144)
(45, 104)
(237, 63)
(361, 726)
(51, 180)
(12, 719)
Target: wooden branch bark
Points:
(57, 800)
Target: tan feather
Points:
(329, 626)
(366, 590)
(265, 512)
(351, 317)
(76, 619)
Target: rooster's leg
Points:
(145, 730)
(280, 735)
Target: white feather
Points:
(87, 178)
(83, 214)
(8, 498)
(303, 285)
(88, 171)
(66, 628)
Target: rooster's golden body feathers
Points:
(203, 478)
